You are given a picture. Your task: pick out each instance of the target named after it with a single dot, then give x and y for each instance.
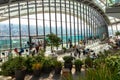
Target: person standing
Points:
(84, 42)
(70, 43)
(78, 50)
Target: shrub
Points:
(113, 62)
(68, 59)
(9, 67)
(28, 63)
(88, 62)
(57, 64)
(102, 73)
(37, 66)
(78, 65)
(18, 63)
(78, 62)
(48, 64)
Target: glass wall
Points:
(70, 20)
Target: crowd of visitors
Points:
(80, 49)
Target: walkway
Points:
(97, 47)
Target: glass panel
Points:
(15, 27)
(53, 26)
(47, 27)
(4, 28)
(24, 41)
(4, 43)
(64, 32)
(24, 21)
(40, 27)
(32, 21)
(16, 42)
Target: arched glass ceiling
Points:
(103, 4)
(4, 9)
(13, 9)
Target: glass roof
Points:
(103, 4)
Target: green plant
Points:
(107, 53)
(48, 64)
(78, 62)
(38, 58)
(117, 33)
(68, 62)
(88, 62)
(111, 66)
(53, 40)
(113, 62)
(78, 65)
(37, 66)
(97, 62)
(57, 67)
(9, 67)
(41, 53)
(68, 59)
(28, 63)
(57, 64)
(102, 73)
(19, 63)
